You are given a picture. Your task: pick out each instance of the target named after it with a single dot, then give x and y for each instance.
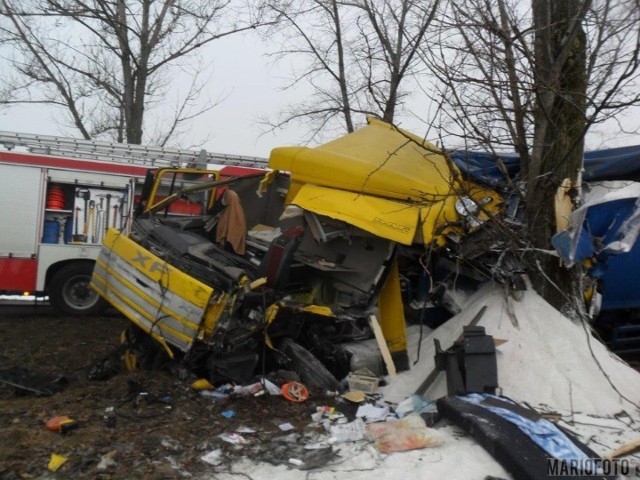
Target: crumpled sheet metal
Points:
(607, 224)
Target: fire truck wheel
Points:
(69, 290)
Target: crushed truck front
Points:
(306, 256)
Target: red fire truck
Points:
(57, 198)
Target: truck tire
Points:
(313, 373)
(69, 290)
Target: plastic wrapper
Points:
(409, 433)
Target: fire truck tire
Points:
(69, 290)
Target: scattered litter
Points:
(286, 427)
(226, 389)
(314, 458)
(110, 417)
(363, 380)
(327, 413)
(214, 457)
(228, 413)
(291, 438)
(270, 387)
(347, 409)
(295, 454)
(245, 429)
(202, 384)
(107, 461)
(295, 392)
(326, 409)
(175, 465)
(61, 424)
(431, 417)
(347, 432)
(254, 389)
(213, 394)
(356, 396)
(234, 438)
(56, 462)
(409, 433)
(414, 403)
(372, 413)
(315, 446)
(171, 444)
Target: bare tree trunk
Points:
(559, 127)
(503, 84)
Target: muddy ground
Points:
(162, 427)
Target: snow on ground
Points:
(460, 457)
(603, 434)
(548, 362)
(547, 359)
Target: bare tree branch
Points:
(110, 57)
(365, 66)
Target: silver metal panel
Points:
(21, 203)
(89, 178)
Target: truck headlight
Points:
(468, 209)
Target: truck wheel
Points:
(312, 372)
(69, 290)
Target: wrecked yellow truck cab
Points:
(386, 181)
(302, 258)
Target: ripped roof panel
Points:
(397, 221)
(377, 159)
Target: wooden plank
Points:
(382, 344)
(625, 449)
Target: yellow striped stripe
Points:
(151, 319)
(145, 296)
(156, 269)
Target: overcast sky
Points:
(242, 80)
(248, 85)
